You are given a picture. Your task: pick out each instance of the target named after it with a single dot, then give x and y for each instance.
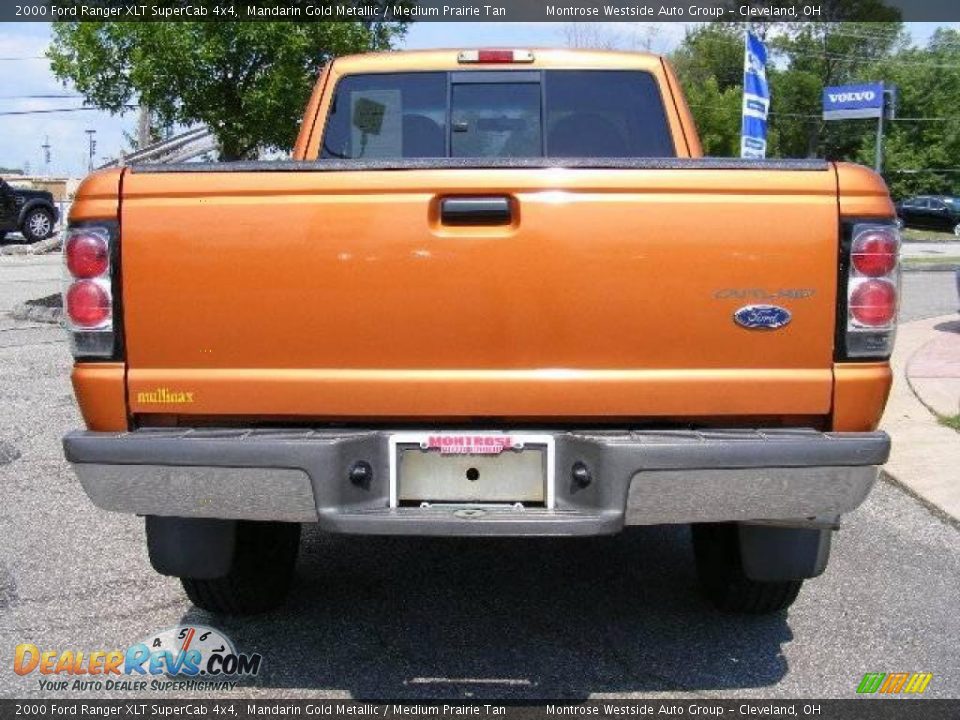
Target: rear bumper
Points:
(639, 478)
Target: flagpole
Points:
(756, 96)
(746, 50)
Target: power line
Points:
(44, 112)
(857, 34)
(37, 97)
(17, 59)
(897, 60)
(54, 110)
(812, 116)
(924, 119)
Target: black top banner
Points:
(479, 10)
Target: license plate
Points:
(471, 467)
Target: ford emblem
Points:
(762, 317)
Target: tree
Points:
(922, 145)
(248, 82)
(819, 55)
(714, 50)
(709, 64)
(805, 57)
(610, 36)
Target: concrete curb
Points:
(47, 309)
(931, 240)
(930, 267)
(932, 507)
(51, 244)
(925, 454)
(35, 313)
(933, 370)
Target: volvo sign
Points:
(853, 101)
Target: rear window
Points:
(502, 114)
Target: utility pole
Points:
(143, 127)
(889, 110)
(92, 143)
(46, 155)
(878, 161)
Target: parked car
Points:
(931, 212)
(510, 298)
(32, 212)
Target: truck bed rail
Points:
(280, 166)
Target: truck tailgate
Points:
(608, 293)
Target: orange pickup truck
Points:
(494, 292)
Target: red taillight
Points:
(873, 303)
(88, 296)
(872, 288)
(874, 252)
(87, 255)
(87, 304)
(495, 56)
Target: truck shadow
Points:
(422, 618)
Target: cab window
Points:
(498, 114)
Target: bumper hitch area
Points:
(601, 480)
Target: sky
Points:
(25, 72)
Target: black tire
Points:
(716, 547)
(260, 575)
(37, 225)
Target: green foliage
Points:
(921, 146)
(918, 151)
(716, 112)
(247, 81)
(804, 58)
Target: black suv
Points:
(931, 212)
(32, 212)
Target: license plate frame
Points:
(490, 443)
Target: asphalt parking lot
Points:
(426, 618)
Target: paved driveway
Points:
(418, 618)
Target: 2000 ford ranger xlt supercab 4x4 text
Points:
(493, 293)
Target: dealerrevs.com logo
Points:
(188, 657)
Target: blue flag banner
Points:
(756, 100)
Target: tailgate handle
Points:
(475, 211)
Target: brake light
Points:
(87, 304)
(873, 303)
(495, 56)
(86, 255)
(874, 253)
(88, 298)
(872, 290)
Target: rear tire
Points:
(716, 547)
(260, 574)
